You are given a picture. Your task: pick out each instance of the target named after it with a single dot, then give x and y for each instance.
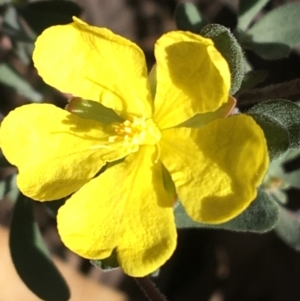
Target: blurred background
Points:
(208, 265)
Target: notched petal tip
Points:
(91, 62)
(135, 220)
(59, 151)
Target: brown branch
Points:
(271, 92)
(149, 289)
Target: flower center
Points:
(135, 132)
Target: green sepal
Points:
(31, 257)
(231, 50)
(247, 10)
(201, 120)
(107, 264)
(253, 78)
(276, 134)
(274, 34)
(285, 112)
(188, 17)
(288, 227)
(93, 110)
(261, 216)
(40, 15)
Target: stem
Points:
(271, 92)
(149, 289)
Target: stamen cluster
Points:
(136, 131)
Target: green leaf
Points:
(187, 17)
(12, 26)
(269, 51)
(9, 76)
(24, 51)
(22, 37)
(290, 159)
(277, 29)
(228, 46)
(288, 227)
(31, 257)
(291, 168)
(9, 188)
(107, 264)
(260, 216)
(284, 111)
(278, 167)
(279, 196)
(292, 179)
(42, 14)
(285, 171)
(89, 109)
(253, 78)
(247, 10)
(276, 134)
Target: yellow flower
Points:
(215, 168)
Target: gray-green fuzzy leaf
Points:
(285, 112)
(292, 179)
(288, 227)
(276, 134)
(276, 32)
(253, 78)
(261, 216)
(228, 46)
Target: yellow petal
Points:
(56, 152)
(192, 78)
(216, 169)
(95, 64)
(125, 208)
